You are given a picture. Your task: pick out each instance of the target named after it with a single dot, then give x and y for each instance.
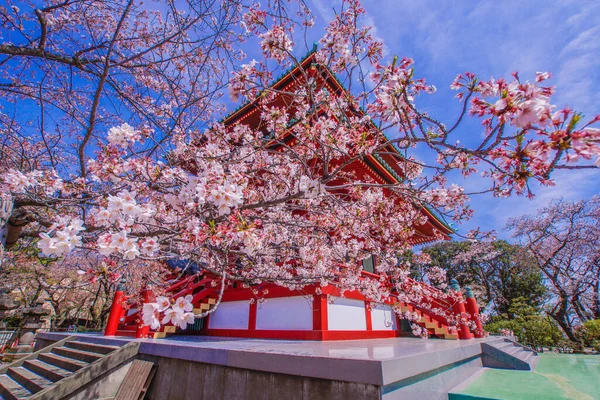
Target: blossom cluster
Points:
(65, 237)
(178, 314)
(123, 135)
(276, 43)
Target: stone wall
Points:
(177, 379)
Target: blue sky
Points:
(495, 38)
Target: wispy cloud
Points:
(493, 39)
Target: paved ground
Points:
(556, 377)
(376, 361)
(372, 349)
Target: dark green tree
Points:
(498, 272)
(531, 327)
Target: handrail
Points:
(434, 293)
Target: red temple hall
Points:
(315, 312)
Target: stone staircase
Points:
(61, 369)
(508, 354)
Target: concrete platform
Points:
(377, 368)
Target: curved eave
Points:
(441, 225)
(281, 81)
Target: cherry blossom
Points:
(284, 190)
(162, 303)
(150, 315)
(276, 43)
(184, 303)
(123, 135)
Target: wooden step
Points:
(432, 325)
(158, 335)
(451, 336)
(48, 371)
(129, 327)
(62, 362)
(11, 390)
(81, 355)
(212, 301)
(29, 380)
(122, 332)
(440, 331)
(202, 307)
(169, 329)
(91, 347)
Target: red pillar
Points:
(368, 316)
(473, 310)
(252, 316)
(460, 310)
(116, 310)
(320, 320)
(142, 330)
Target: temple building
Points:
(315, 312)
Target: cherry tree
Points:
(133, 164)
(75, 287)
(563, 239)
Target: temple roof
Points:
(376, 161)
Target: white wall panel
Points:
(383, 318)
(285, 313)
(347, 315)
(230, 315)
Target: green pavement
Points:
(557, 376)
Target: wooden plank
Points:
(136, 381)
(214, 382)
(316, 389)
(236, 384)
(258, 385)
(287, 387)
(194, 387)
(177, 389)
(159, 388)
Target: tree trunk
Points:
(560, 316)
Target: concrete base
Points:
(195, 367)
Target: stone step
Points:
(62, 362)
(524, 355)
(503, 346)
(48, 371)
(91, 347)
(512, 351)
(81, 355)
(11, 390)
(29, 380)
